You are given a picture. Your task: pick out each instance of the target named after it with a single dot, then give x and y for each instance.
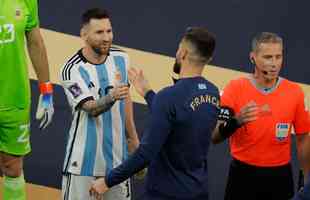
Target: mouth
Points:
(104, 46)
(273, 73)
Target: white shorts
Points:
(75, 187)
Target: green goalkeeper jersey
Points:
(16, 18)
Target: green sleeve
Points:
(33, 17)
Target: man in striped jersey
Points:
(96, 86)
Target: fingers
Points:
(132, 73)
(40, 109)
(44, 121)
(135, 75)
(95, 194)
(248, 113)
(98, 188)
(47, 119)
(45, 111)
(141, 174)
(120, 92)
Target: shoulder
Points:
(116, 51)
(70, 65)
(211, 87)
(291, 86)
(31, 4)
(238, 82)
(165, 95)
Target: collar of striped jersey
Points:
(84, 59)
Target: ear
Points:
(83, 32)
(252, 57)
(184, 53)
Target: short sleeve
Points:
(32, 16)
(302, 119)
(76, 89)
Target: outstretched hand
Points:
(137, 79)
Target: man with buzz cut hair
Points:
(183, 116)
(96, 85)
(258, 115)
(19, 27)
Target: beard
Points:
(176, 67)
(97, 48)
(176, 70)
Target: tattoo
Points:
(96, 107)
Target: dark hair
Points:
(202, 40)
(94, 13)
(265, 37)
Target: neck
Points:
(265, 83)
(92, 56)
(189, 71)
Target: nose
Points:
(272, 62)
(105, 37)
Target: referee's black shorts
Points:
(247, 182)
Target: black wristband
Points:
(226, 113)
(229, 127)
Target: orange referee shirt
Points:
(266, 141)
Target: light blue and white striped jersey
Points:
(95, 145)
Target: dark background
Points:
(157, 26)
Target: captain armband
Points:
(230, 124)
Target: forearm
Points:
(216, 135)
(303, 150)
(37, 54)
(131, 132)
(96, 107)
(128, 168)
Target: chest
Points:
(101, 78)
(279, 104)
(13, 19)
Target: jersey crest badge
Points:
(18, 13)
(282, 131)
